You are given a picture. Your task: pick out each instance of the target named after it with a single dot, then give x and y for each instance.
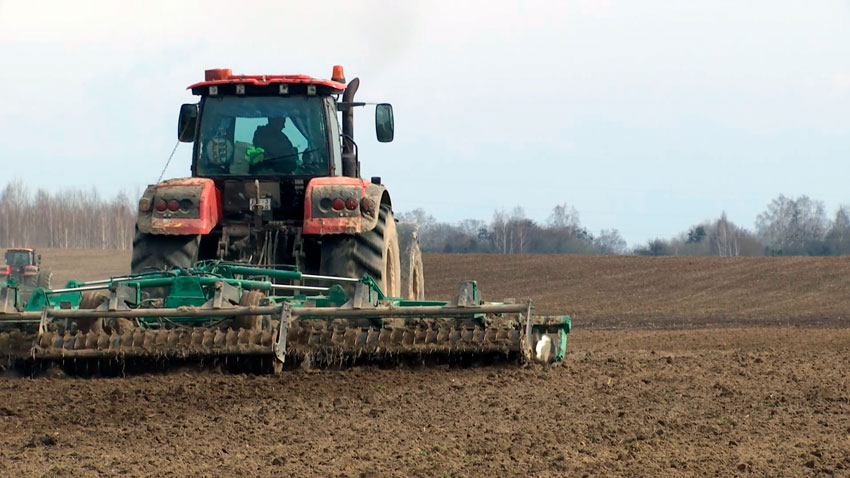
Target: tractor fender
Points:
(321, 218)
(198, 201)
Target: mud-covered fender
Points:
(320, 217)
(198, 207)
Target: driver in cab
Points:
(278, 154)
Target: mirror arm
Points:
(347, 105)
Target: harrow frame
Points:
(203, 296)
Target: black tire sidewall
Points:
(347, 255)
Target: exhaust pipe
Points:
(350, 164)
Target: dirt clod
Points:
(41, 440)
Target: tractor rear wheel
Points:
(373, 252)
(44, 279)
(157, 252)
(412, 275)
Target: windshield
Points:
(262, 135)
(18, 258)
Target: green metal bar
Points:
(204, 281)
(245, 284)
(328, 312)
(161, 282)
(256, 271)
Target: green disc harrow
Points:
(261, 319)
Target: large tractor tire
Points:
(412, 275)
(374, 252)
(29, 281)
(156, 252)
(44, 279)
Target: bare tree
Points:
(417, 216)
(609, 241)
(838, 238)
(70, 218)
(793, 226)
(725, 237)
(563, 216)
(501, 230)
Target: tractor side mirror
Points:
(384, 125)
(187, 123)
(38, 258)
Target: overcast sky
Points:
(646, 116)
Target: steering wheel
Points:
(219, 151)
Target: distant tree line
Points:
(514, 233)
(76, 218)
(788, 226)
(67, 218)
(720, 237)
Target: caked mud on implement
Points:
(259, 320)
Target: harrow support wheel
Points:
(91, 299)
(412, 275)
(251, 322)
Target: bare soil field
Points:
(610, 291)
(84, 264)
(635, 291)
(677, 367)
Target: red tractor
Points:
(24, 265)
(276, 182)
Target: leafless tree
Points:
(838, 238)
(68, 218)
(793, 226)
(609, 241)
(725, 237)
(563, 216)
(501, 232)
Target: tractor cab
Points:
(267, 136)
(271, 126)
(24, 265)
(20, 257)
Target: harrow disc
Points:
(218, 312)
(317, 342)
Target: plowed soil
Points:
(677, 367)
